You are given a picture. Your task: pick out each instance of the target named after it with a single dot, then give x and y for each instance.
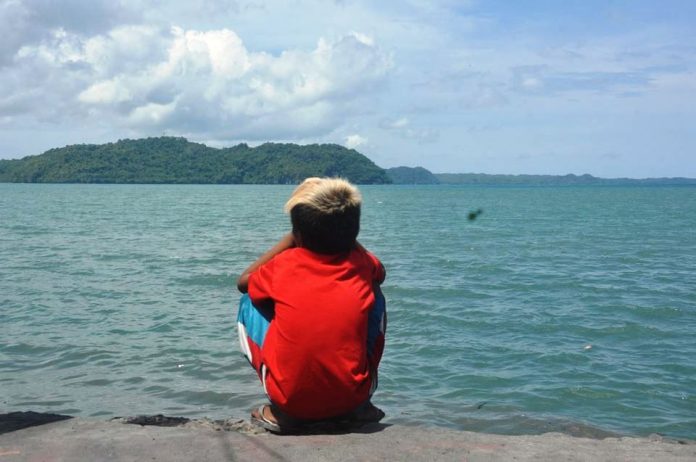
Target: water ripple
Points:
(559, 309)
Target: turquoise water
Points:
(558, 309)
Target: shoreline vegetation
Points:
(169, 160)
(172, 160)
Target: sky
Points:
(500, 86)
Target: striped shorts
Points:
(253, 323)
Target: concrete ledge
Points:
(205, 440)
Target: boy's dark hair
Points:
(326, 233)
(325, 214)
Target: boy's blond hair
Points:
(326, 195)
(325, 214)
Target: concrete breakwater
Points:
(179, 439)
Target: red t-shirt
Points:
(315, 350)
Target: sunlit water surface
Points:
(558, 309)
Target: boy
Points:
(312, 324)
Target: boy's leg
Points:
(376, 329)
(252, 325)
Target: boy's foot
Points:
(367, 413)
(264, 418)
(276, 422)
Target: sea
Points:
(567, 309)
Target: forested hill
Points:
(411, 175)
(555, 180)
(419, 175)
(176, 160)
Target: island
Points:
(178, 161)
(175, 160)
(412, 175)
(420, 175)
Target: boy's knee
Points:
(248, 311)
(245, 307)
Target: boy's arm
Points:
(359, 246)
(286, 242)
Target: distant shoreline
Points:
(689, 184)
(170, 160)
(420, 175)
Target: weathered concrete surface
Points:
(88, 440)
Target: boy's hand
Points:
(285, 243)
(359, 246)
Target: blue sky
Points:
(548, 87)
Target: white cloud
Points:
(110, 91)
(402, 127)
(151, 113)
(353, 141)
(473, 78)
(395, 124)
(26, 22)
(207, 82)
(125, 49)
(364, 38)
(531, 83)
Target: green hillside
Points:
(555, 180)
(533, 180)
(411, 175)
(176, 160)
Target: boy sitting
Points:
(312, 324)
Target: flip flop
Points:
(282, 426)
(366, 413)
(259, 419)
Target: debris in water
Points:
(474, 214)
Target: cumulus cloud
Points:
(549, 81)
(237, 70)
(205, 83)
(390, 124)
(402, 127)
(353, 141)
(29, 22)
